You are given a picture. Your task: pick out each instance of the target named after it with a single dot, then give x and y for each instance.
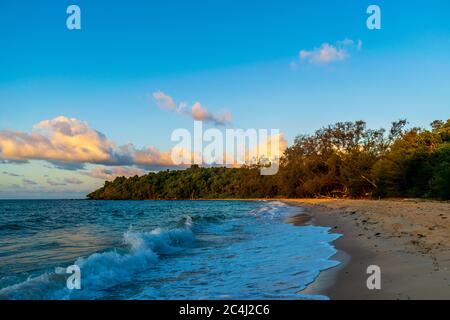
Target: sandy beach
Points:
(408, 239)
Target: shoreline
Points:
(408, 239)
(403, 238)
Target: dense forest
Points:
(342, 160)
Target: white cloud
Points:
(11, 174)
(55, 183)
(64, 182)
(69, 141)
(29, 182)
(328, 53)
(151, 156)
(72, 181)
(60, 139)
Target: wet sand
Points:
(408, 239)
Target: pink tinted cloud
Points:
(329, 53)
(197, 111)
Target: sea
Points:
(159, 250)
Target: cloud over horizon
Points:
(70, 144)
(11, 174)
(112, 173)
(29, 182)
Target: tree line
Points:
(345, 159)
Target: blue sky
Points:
(236, 56)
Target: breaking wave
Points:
(104, 270)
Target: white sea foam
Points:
(101, 271)
(275, 210)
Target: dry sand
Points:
(408, 239)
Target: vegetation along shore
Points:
(342, 160)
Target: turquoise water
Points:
(159, 250)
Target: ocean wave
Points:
(200, 219)
(44, 286)
(274, 210)
(210, 253)
(101, 271)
